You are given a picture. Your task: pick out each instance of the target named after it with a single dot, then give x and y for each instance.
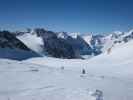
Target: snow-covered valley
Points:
(107, 77)
(41, 65)
(25, 81)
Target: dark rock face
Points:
(7, 40)
(54, 46)
(80, 45)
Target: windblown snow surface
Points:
(24, 81)
(108, 77)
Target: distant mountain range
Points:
(103, 42)
(60, 45)
(41, 42)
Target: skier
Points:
(110, 49)
(83, 71)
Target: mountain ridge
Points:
(70, 45)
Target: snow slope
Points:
(24, 81)
(87, 38)
(34, 42)
(74, 35)
(111, 73)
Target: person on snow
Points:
(83, 71)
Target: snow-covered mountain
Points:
(71, 45)
(103, 42)
(116, 38)
(7, 40)
(47, 43)
(63, 35)
(32, 41)
(95, 41)
(56, 44)
(87, 38)
(13, 48)
(74, 35)
(78, 43)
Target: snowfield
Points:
(111, 73)
(24, 81)
(107, 77)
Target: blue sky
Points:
(98, 16)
